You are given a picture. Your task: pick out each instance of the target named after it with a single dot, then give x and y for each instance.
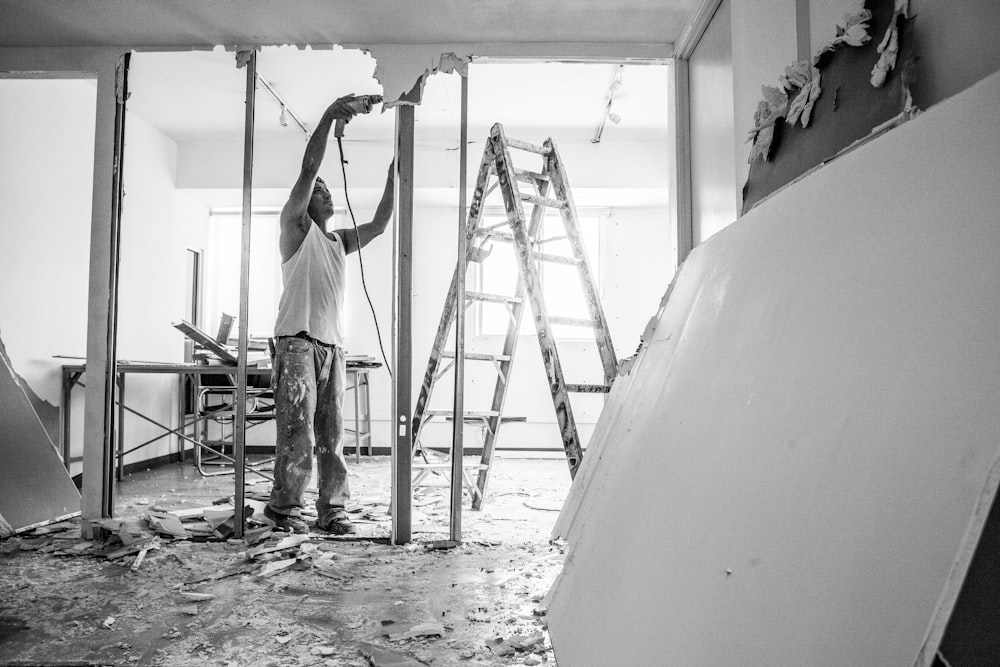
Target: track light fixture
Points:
(616, 84)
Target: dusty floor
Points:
(341, 602)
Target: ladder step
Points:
(495, 298)
(558, 259)
(527, 176)
(446, 464)
(475, 356)
(588, 388)
(571, 321)
(523, 175)
(543, 201)
(525, 146)
(505, 237)
(474, 414)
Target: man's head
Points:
(320, 203)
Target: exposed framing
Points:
(240, 426)
(104, 63)
(458, 423)
(402, 354)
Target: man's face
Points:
(321, 203)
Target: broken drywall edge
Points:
(46, 413)
(402, 69)
(959, 570)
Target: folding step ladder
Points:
(496, 171)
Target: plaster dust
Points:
(478, 604)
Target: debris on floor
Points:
(165, 586)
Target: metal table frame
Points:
(72, 374)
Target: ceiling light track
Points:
(616, 84)
(286, 111)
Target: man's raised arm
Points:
(383, 213)
(294, 215)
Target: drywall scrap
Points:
(34, 485)
(789, 471)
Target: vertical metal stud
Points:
(239, 432)
(457, 443)
(682, 114)
(402, 491)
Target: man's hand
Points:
(340, 109)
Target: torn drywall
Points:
(46, 413)
(829, 102)
(792, 466)
(402, 69)
(34, 485)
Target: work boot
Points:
(338, 524)
(287, 522)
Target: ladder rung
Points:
(447, 464)
(588, 388)
(527, 176)
(543, 201)
(506, 237)
(525, 146)
(495, 298)
(558, 259)
(480, 414)
(475, 356)
(571, 321)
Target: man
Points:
(309, 367)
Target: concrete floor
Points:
(479, 604)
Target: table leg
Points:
(120, 435)
(366, 403)
(65, 414)
(357, 421)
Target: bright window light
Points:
(561, 285)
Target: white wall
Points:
(713, 174)
(46, 177)
(159, 223)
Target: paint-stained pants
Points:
(309, 401)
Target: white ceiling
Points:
(198, 95)
(152, 23)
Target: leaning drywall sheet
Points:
(812, 423)
(34, 485)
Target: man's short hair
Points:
(319, 181)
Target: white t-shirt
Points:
(312, 298)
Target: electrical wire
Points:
(361, 264)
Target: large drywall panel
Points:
(811, 424)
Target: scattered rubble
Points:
(197, 596)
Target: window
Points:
(223, 268)
(564, 296)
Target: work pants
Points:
(309, 400)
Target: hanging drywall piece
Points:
(34, 485)
(790, 472)
(399, 66)
(831, 117)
